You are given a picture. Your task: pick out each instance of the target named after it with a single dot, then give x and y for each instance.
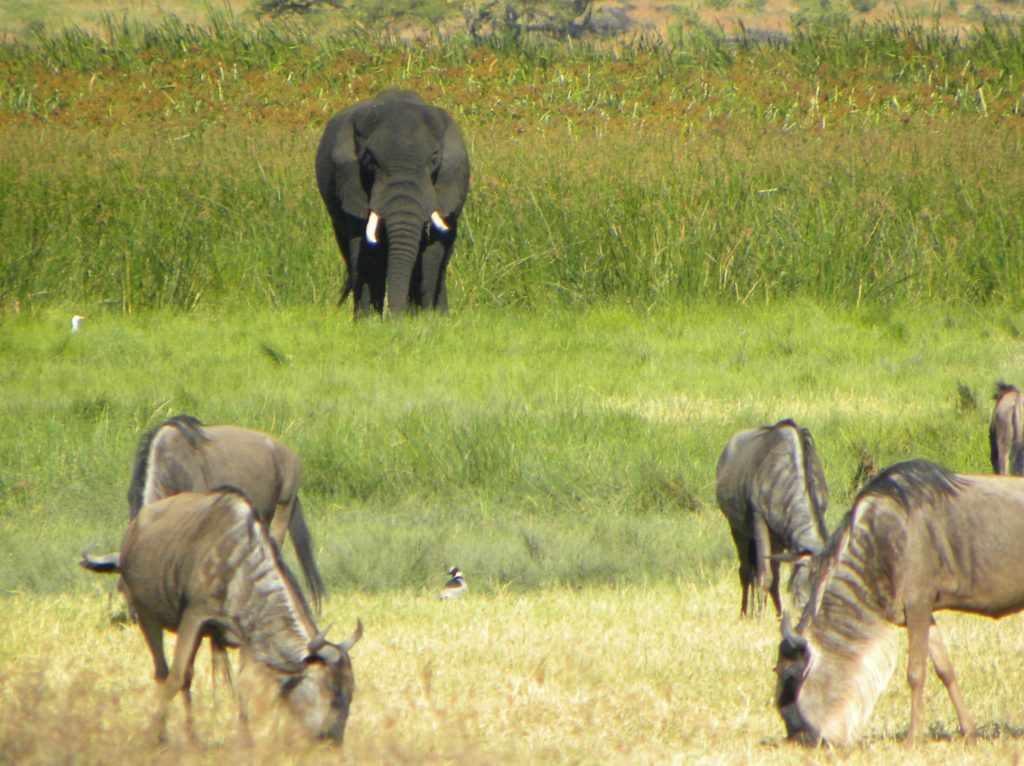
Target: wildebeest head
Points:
(791, 669)
(320, 695)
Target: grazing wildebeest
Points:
(183, 455)
(203, 564)
(1005, 435)
(772, 490)
(918, 539)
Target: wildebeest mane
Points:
(913, 482)
(808, 454)
(231, 489)
(286, 572)
(225, 490)
(1003, 388)
(189, 427)
(824, 564)
(810, 477)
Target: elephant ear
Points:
(348, 182)
(452, 182)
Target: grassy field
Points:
(531, 448)
(872, 164)
(663, 674)
(564, 459)
(667, 241)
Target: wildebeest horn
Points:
(790, 639)
(319, 641)
(792, 558)
(787, 627)
(438, 221)
(371, 228)
(349, 642)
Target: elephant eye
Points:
(435, 160)
(367, 160)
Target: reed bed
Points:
(164, 166)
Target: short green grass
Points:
(529, 447)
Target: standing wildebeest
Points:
(772, 491)
(918, 539)
(183, 455)
(1005, 431)
(204, 565)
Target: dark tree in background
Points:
(483, 18)
(284, 7)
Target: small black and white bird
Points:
(455, 587)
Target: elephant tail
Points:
(345, 290)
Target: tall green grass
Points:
(166, 166)
(158, 218)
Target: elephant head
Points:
(394, 174)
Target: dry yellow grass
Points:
(635, 675)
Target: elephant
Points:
(396, 160)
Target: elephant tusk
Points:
(438, 221)
(371, 228)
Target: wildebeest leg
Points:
(745, 552)
(179, 678)
(281, 521)
(763, 547)
(919, 618)
(944, 670)
(222, 667)
(774, 587)
(154, 636)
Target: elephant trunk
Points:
(404, 234)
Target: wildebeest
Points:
(183, 455)
(918, 539)
(772, 490)
(203, 564)
(1006, 431)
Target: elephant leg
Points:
(346, 234)
(433, 292)
(370, 279)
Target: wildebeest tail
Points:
(993, 446)
(189, 427)
(303, 542)
(816, 488)
(1017, 450)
